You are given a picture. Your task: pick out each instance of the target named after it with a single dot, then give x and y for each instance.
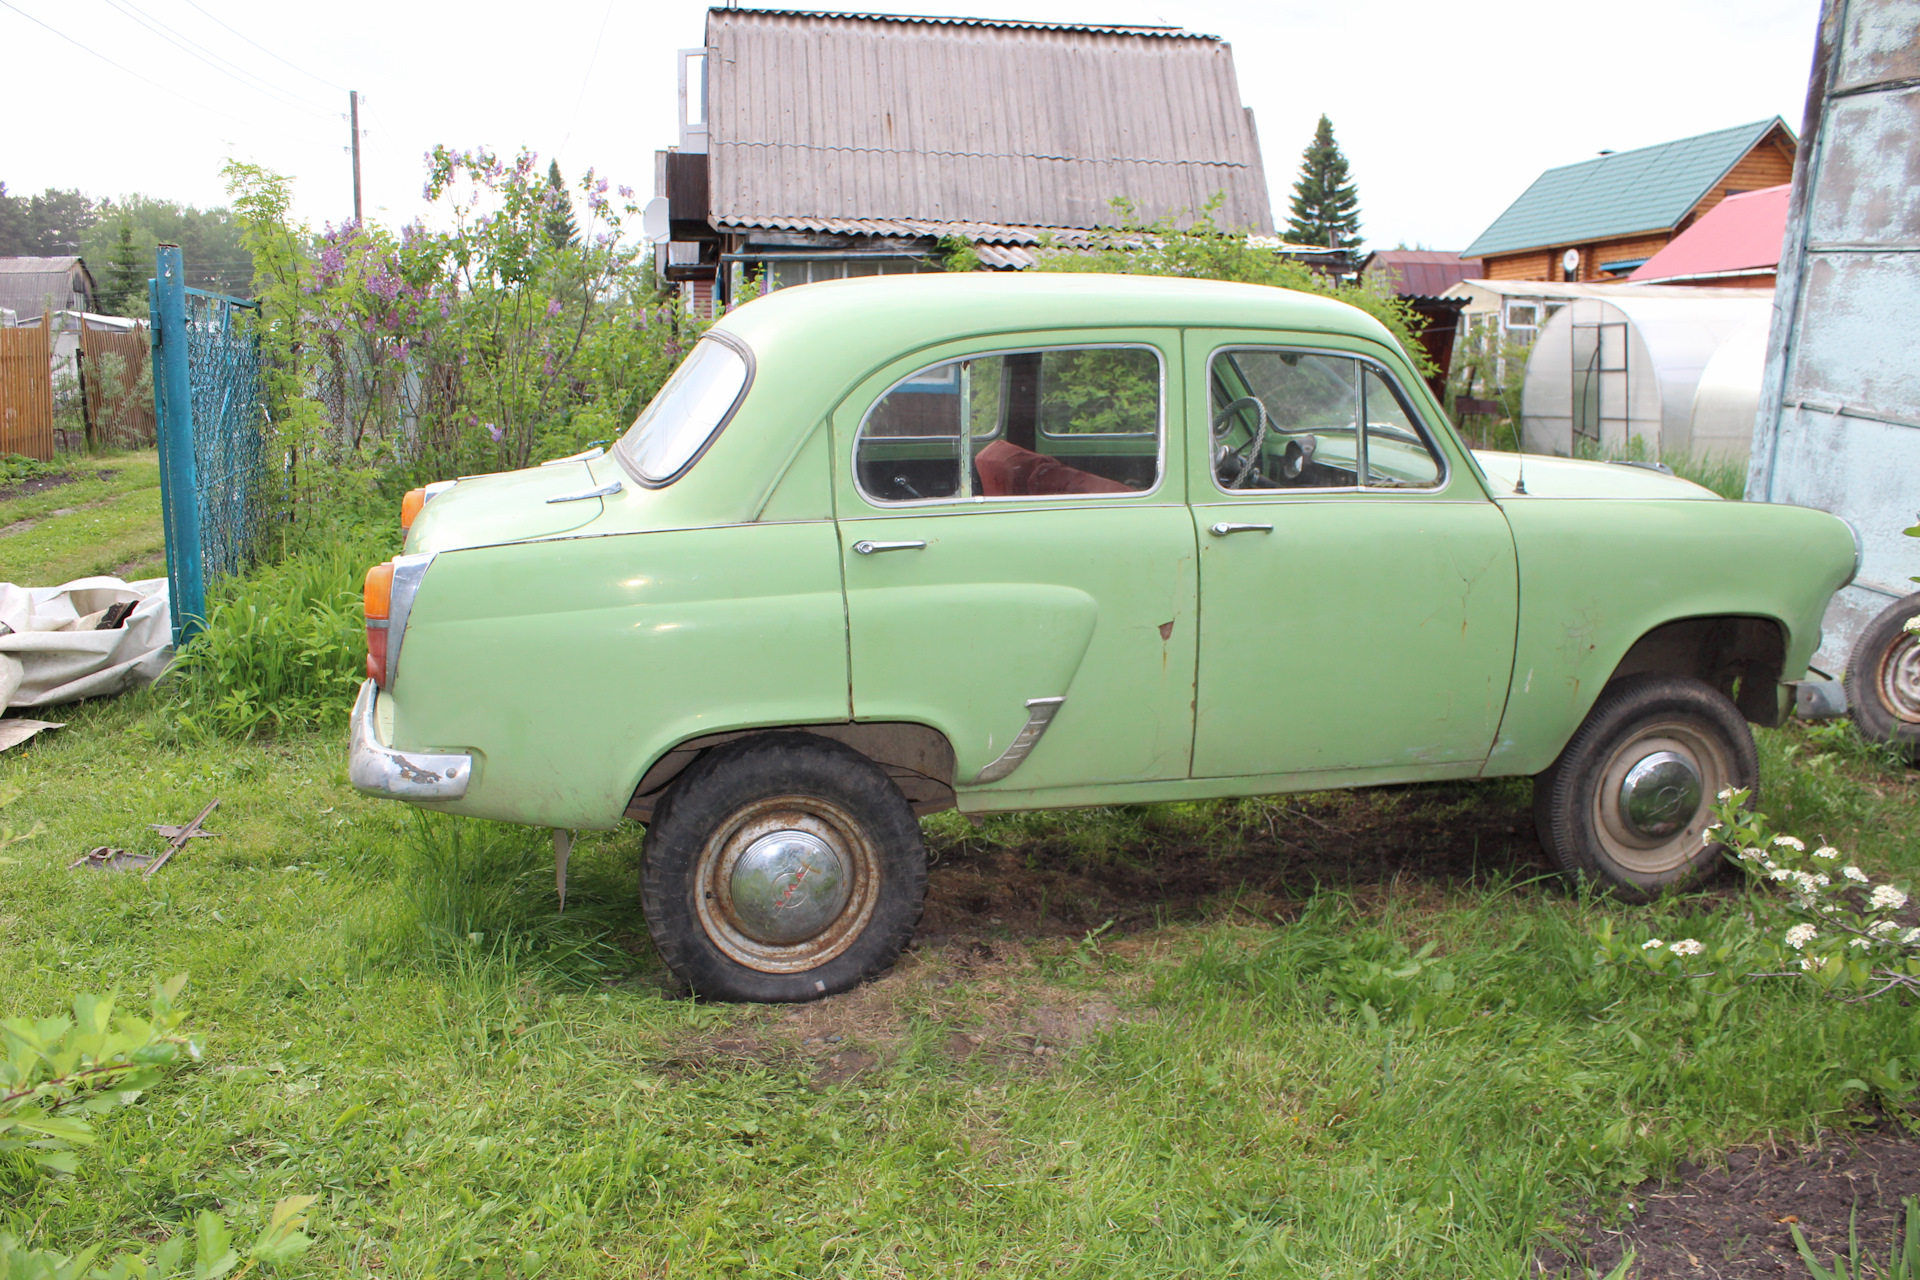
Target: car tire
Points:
(1883, 679)
(1625, 805)
(783, 868)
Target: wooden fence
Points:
(26, 392)
(113, 367)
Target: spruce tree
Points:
(562, 230)
(1325, 207)
(126, 292)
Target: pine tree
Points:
(126, 291)
(562, 230)
(1325, 207)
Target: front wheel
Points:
(1883, 678)
(784, 867)
(1628, 801)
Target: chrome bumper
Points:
(376, 769)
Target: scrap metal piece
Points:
(104, 858)
(180, 838)
(562, 850)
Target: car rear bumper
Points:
(376, 769)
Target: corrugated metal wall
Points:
(838, 117)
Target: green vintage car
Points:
(881, 548)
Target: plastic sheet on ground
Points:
(53, 647)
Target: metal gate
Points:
(207, 406)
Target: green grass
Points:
(398, 1020)
(111, 524)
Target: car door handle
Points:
(866, 548)
(1224, 528)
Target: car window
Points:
(1285, 419)
(686, 413)
(1017, 424)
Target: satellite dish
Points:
(1569, 262)
(653, 219)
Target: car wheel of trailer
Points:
(1883, 678)
(1627, 803)
(784, 867)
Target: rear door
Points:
(1019, 557)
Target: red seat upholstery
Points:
(1008, 471)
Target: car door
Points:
(1357, 585)
(1019, 557)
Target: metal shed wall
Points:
(855, 116)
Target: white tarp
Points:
(51, 650)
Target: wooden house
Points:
(1421, 278)
(819, 146)
(1600, 219)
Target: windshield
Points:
(678, 422)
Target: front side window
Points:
(1019, 424)
(1307, 420)
(686, 413)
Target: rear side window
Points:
(1067, 421)
(680, 421)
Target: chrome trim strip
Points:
(1040, 713)
(601, 491)
(407, 574)
(375, 769)
(1225, 527)
(867, 546)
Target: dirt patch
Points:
(1734, 1222)
(1165, 864)
(40, 484)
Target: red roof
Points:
(1422, 273)
(1739, 236)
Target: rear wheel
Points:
(1627, 802)
(1883, 678)
(782, 868)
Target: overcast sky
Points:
(1446, 111)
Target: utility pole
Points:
(353, 111)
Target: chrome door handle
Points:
(1224, 528)
(866, 548)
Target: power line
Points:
(115, 65)
(187, 46)
(271, 54)
(588, 75)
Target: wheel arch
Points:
(1742, 656)
(918, 758)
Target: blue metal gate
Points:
(207, 407)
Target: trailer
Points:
(1838, 426)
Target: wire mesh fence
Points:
(211, 435)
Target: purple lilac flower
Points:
(497, 434)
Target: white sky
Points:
(1446, 111)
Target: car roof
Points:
(883, 315)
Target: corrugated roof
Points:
(1742, 233)
(1646, 190)
(1171, 33)
(818, 116)
(1420, 273)
(979, 232)
(27, 285)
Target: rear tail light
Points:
(388, 600)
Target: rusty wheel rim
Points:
(1900, 678)
(786, 884)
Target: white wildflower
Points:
(1800, 935)
(1791, 843)
(1910, 938)
(1820, 878)
(1750, 855)
(1652, 944)
(1780, 873)
(1726, 793)
(1708, 836)
(1807, 963)
(1883, 928)
(1858, 942)
(1913, 624)
(1685, 947)
(1805, 881)
(1887, 898)
(1854, 873)
(1826, 851)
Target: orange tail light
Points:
(410, 507)
(378, 600)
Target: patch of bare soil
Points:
(1731, 1223)
(40, 484)
(1260, 856)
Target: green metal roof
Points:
(1646, 190)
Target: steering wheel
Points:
(1247, 456)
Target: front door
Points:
(1020, 560)
(1357, 586)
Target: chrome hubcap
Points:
(1900, 679)
(787, 886)
(1659, 795)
